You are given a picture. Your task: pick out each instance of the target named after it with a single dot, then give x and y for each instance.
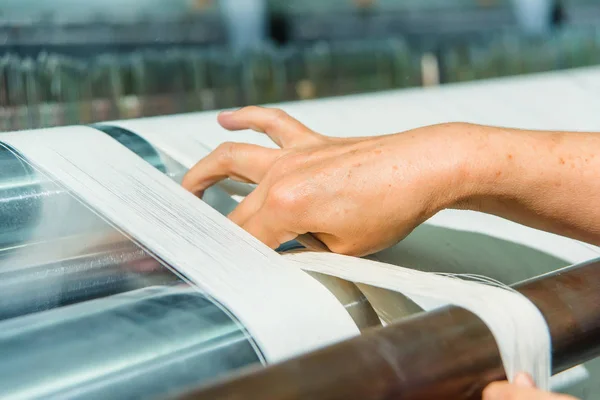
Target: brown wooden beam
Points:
(445, 354)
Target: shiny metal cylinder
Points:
(54, 250)
(147, 343)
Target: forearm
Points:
(546, 180)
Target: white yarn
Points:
(286, 311)
(517, 325)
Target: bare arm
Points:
(360, 195)
(547, 180)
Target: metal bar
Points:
(447, 354)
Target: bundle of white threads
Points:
(519, 328)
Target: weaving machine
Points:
(86, 311)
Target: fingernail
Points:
(524, 380)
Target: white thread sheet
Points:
(518, 326)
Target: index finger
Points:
(282, 128)
(239, 161)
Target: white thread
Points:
(518, 326)
(286, 311)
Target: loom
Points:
(87, 312)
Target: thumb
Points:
(507, 391)
(524, 381)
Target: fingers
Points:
(248, 207)
(268, 231)
(238, 161)
(262, 217)
(524, 380)
(283, 129)
(259, 220)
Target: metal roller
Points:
(53, 250)
(146, 343)
(24, 193)
(110, 270)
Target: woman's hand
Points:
(356, 195)
(522, 389)
(360, 195)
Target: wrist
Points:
(456, 163)
(543, 179)
(490, 169)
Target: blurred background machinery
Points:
(69, 61)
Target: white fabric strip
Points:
(518, 326)
(286, 311)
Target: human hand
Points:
(522, 389)
(356, 195)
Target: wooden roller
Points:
(444, 354)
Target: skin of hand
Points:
(361, 195)
(356, 195)
(522, 389)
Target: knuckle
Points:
(250, 109)
(276, 115)
(286, 198)
(317, 139)
(225, 154)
